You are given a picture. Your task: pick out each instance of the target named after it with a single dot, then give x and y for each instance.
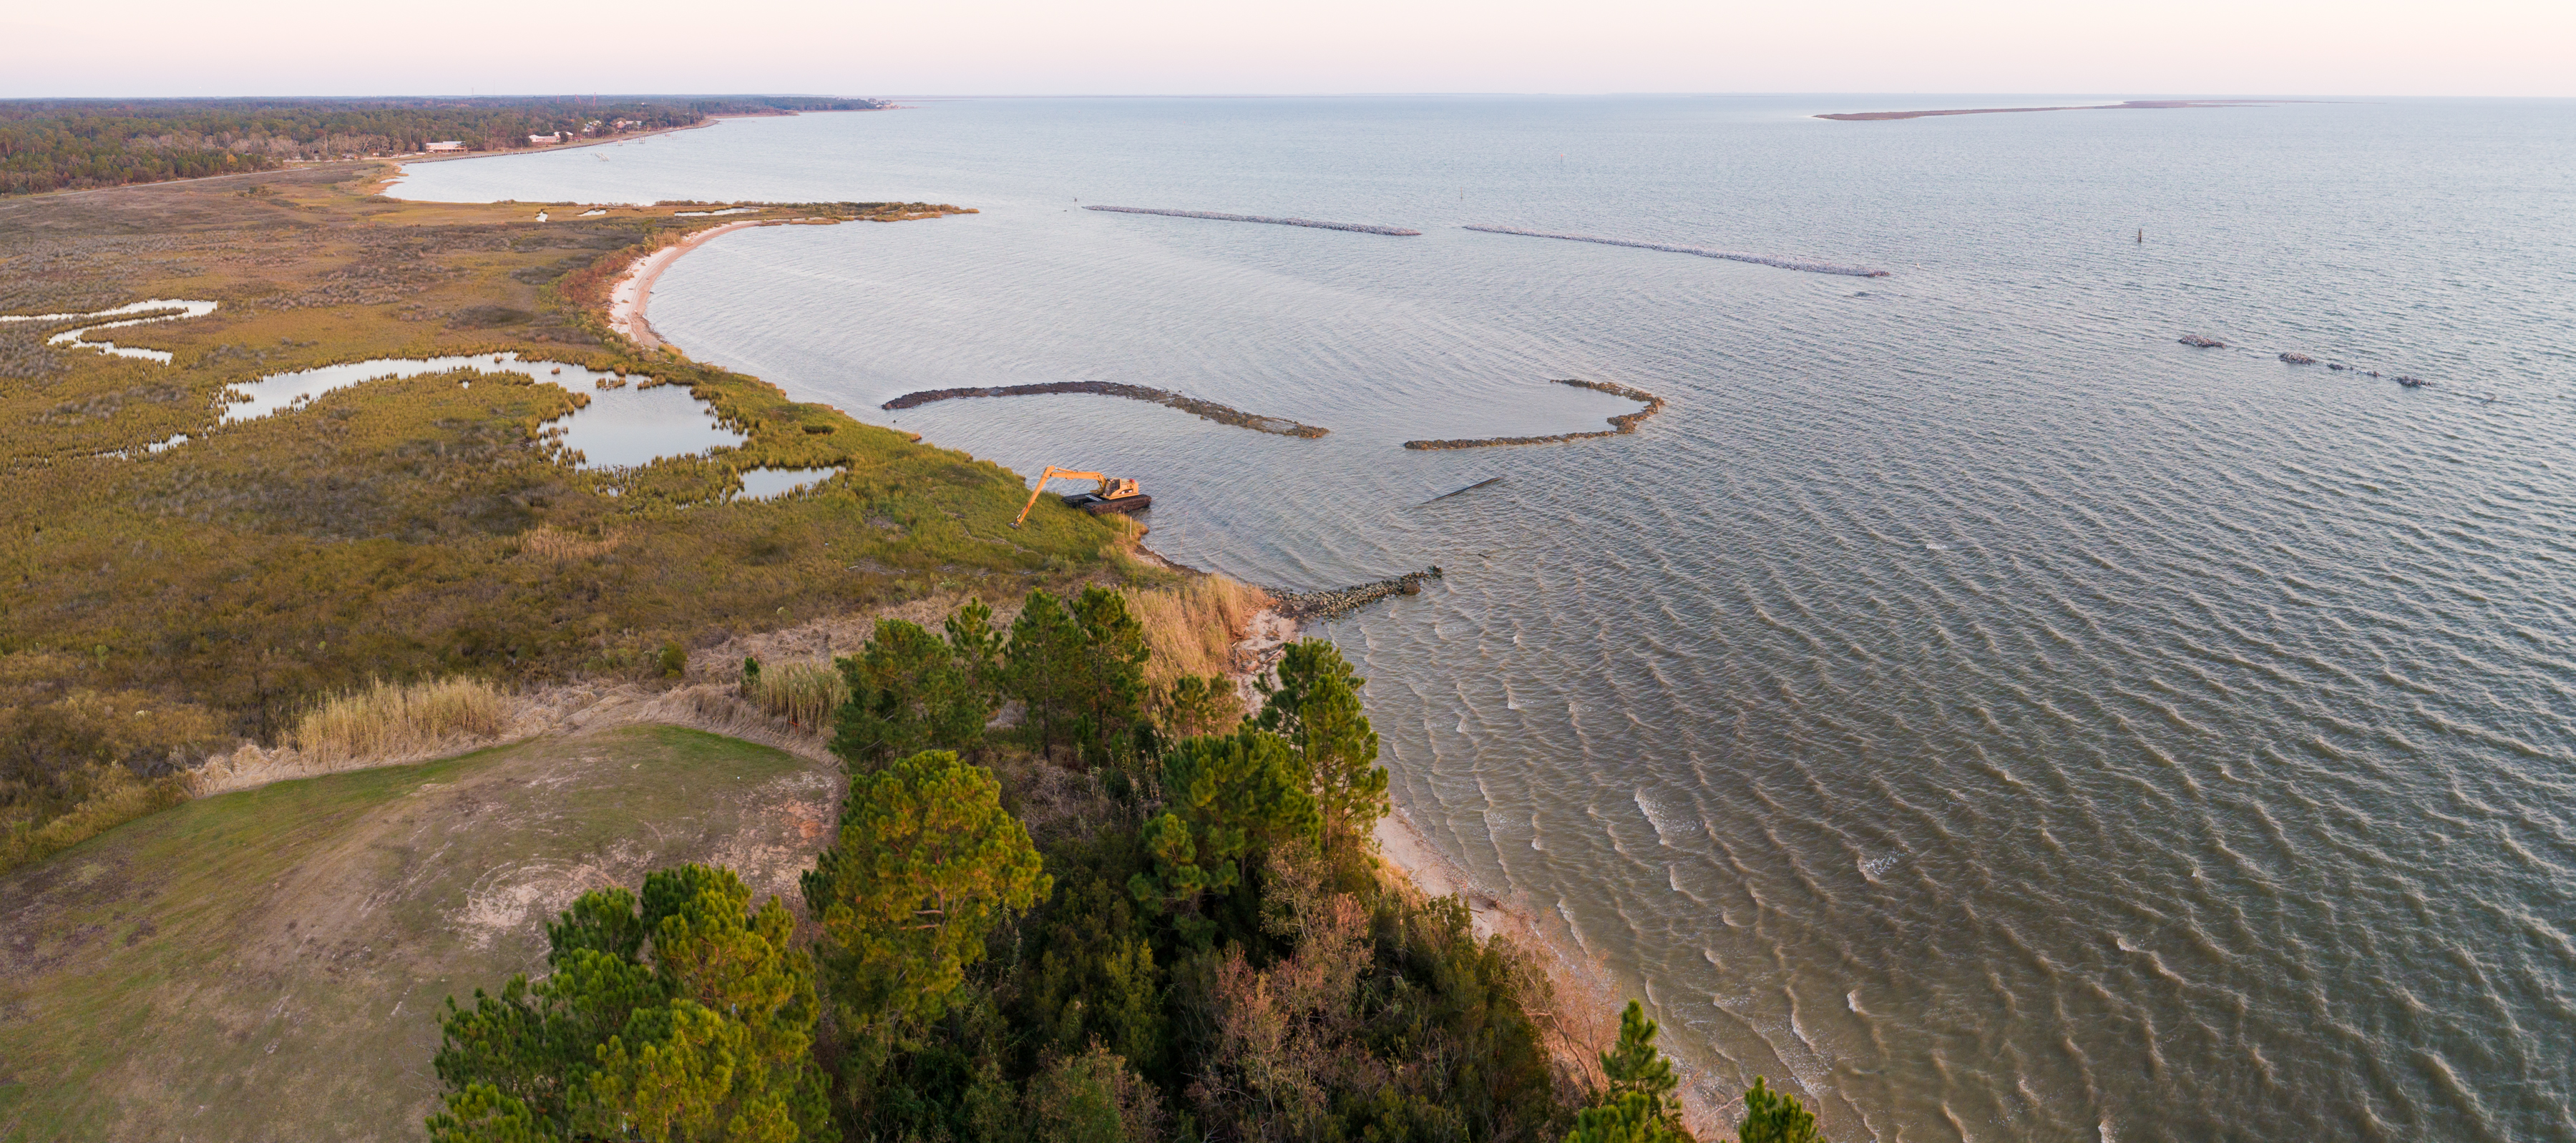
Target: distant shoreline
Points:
(2131, 105)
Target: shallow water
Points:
(1965, 702)
(627, 425)
(763, 483)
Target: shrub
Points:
(674, 660)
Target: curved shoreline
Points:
(634, 289)
(1210, 410)
(1702, 251)
(1356, 227)
(1623, 424)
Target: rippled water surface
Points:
(1965, 702)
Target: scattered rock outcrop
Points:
(1359, 227)
(1304, 605)
(1221, 414)
(2296, 358)
(2196, 341)
(1624, 423)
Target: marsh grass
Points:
(387, 720)
(416, 528)
(1193, 626)
(116, 796)
(805, 694)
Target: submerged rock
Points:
(2196, 341)
(2295, 358)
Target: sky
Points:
(1171, 47)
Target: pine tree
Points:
(1315, 705)
(1045, 666)
(1774, 1117)
(1224, 798)
(1636, 1105)
(926, 864)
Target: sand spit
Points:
(1358, 227)
(2131, 105)
(1702, 251)
(1620, 425)
(1221, 414)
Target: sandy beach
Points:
(627, 299)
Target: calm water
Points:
(1965, 702)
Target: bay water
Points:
(1964, 704)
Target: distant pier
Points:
(1356, 227)
(1702, 251)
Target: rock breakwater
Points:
(2196, 341)
(1221, 414)
(1305, 605)
(1356, 227)
(1624, 423)
(1702, 251)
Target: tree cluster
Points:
(1213, 954)
(58, 144)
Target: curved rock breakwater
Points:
(1702, 251)
(1304, 605)
(1358, 227)
(1221, 414)
(1624, 423)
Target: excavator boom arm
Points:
(1051, 473)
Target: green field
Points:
(271, 964)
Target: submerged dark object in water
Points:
(2295, 358)
(1463, 491)
(2196, 341)
(1099, 505)
(1702, 251)
(2411, 382)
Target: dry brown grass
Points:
(805, 694)
(389, 719)
(550, 544)
(1193, 626)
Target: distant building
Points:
(557, 137)
(449, 145)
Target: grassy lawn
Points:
(272, 964)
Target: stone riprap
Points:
(1356, 227)
(1304, 605)
(1222, 414)
(1702, 251)
(1624, 423)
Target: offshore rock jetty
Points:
(1304, 605)
(1624, 423)
(1221, 414)
(1357, 227)
(1702, 251)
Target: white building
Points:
(449, 145)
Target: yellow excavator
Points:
(1116, 494)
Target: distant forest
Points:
(59, 144)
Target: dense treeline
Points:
(1203, 948)
(56, 144)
